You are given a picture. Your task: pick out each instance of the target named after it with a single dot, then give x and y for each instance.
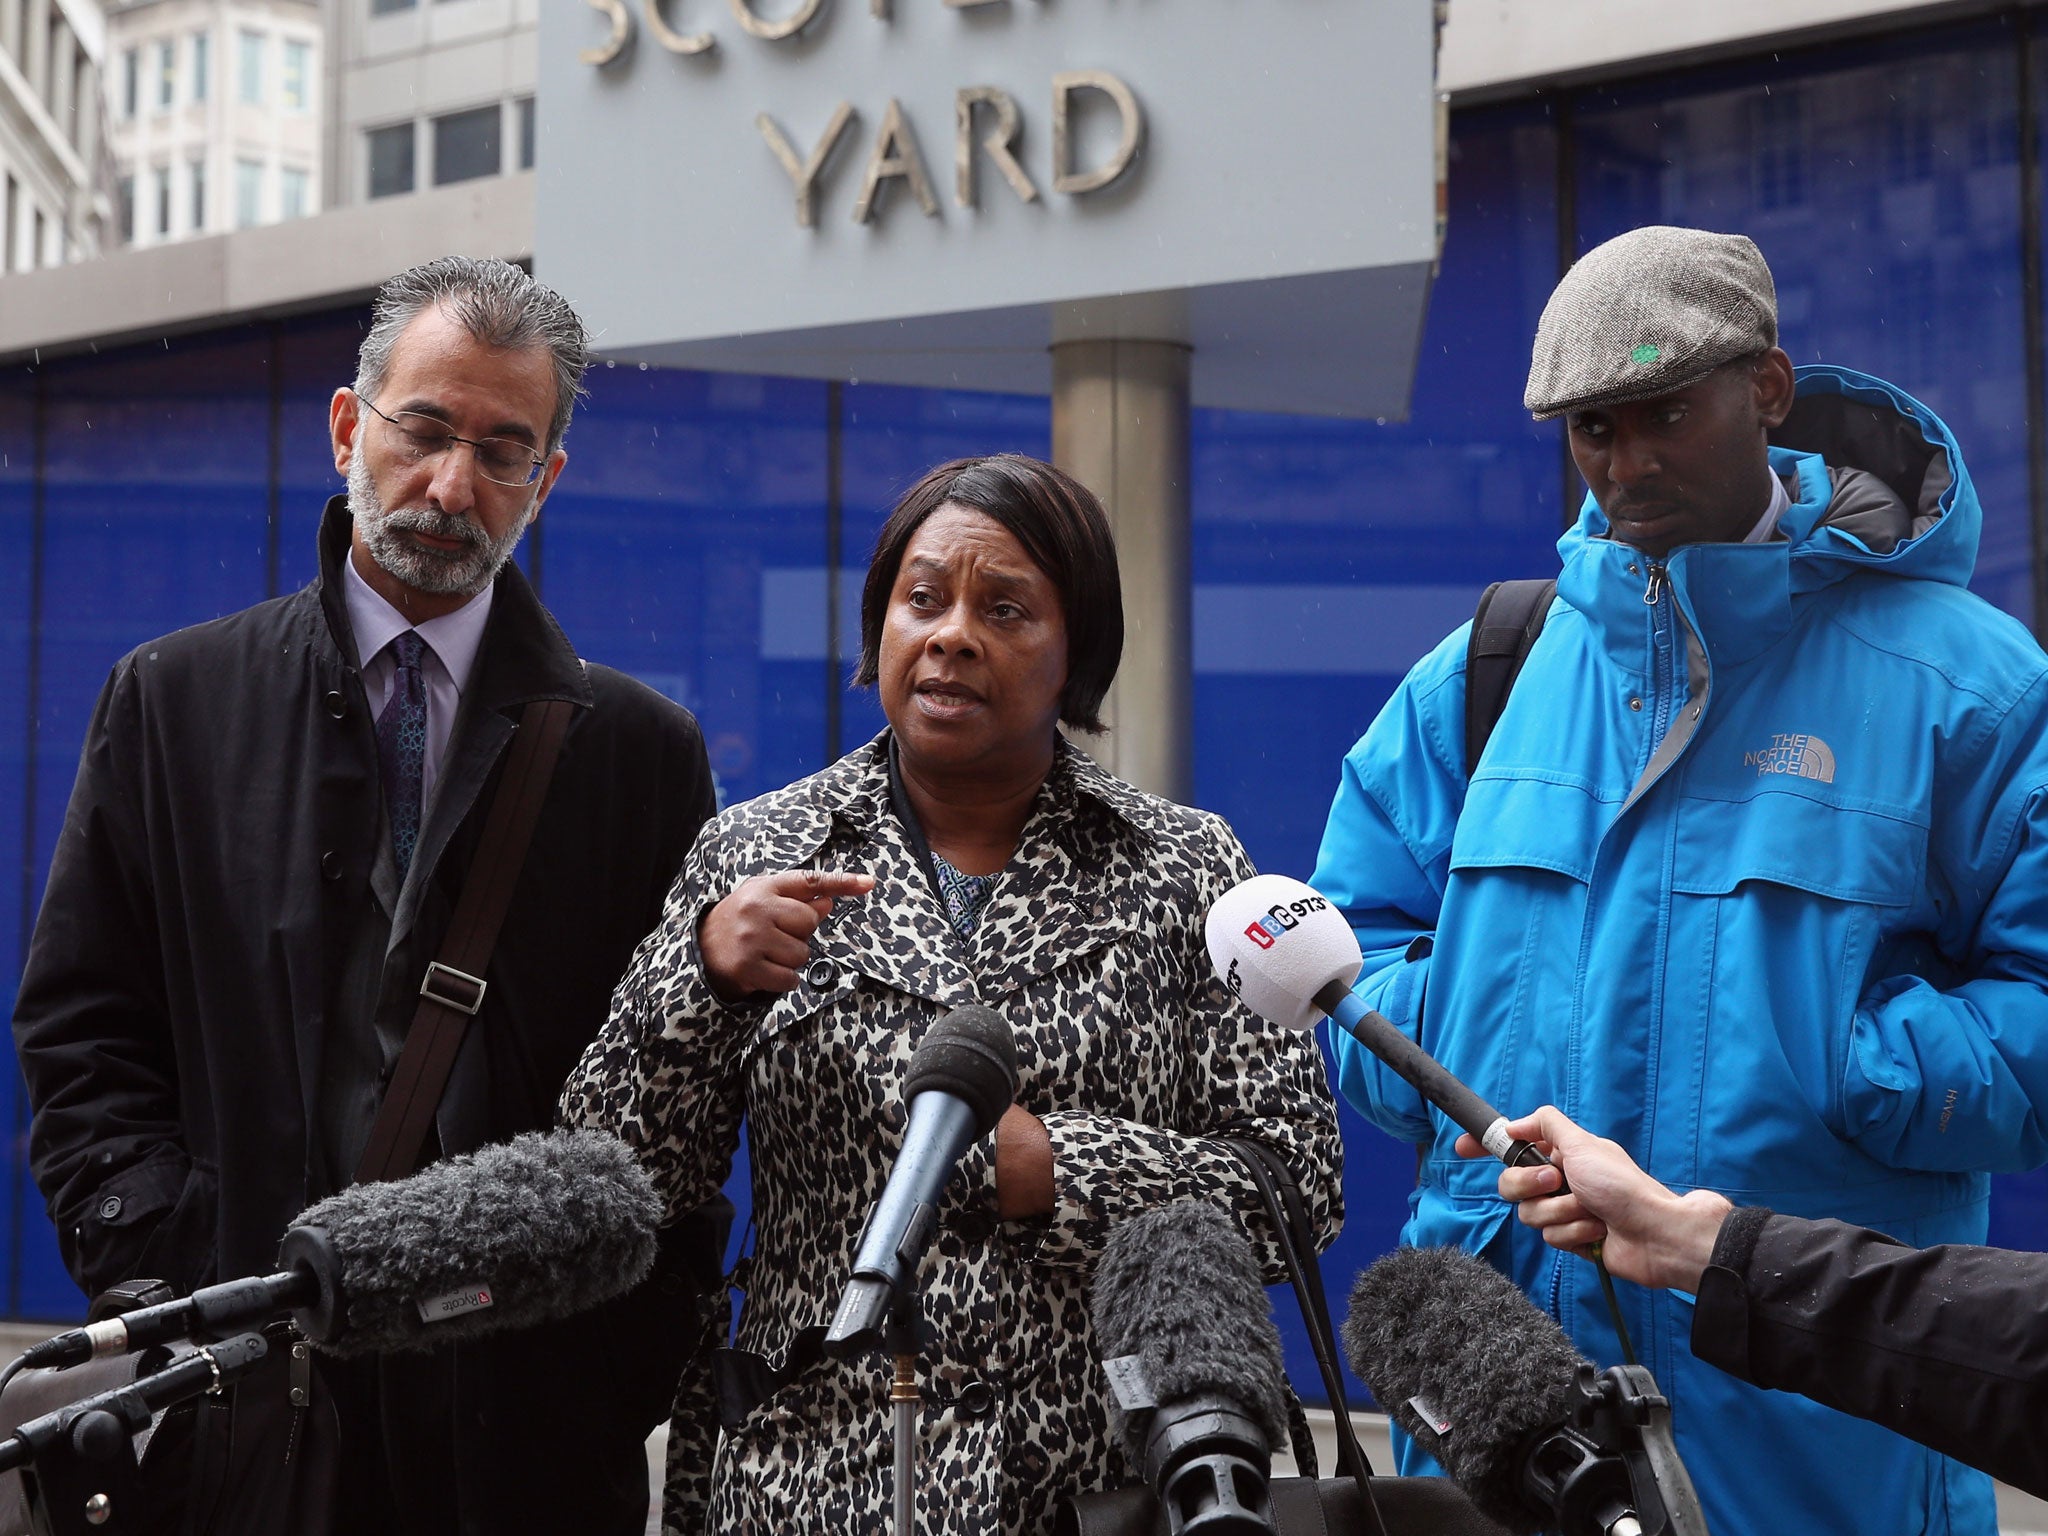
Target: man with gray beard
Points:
(274, 818)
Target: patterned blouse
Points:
(1130, 1051)
(965, 895)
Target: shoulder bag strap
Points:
(454, 986)
(1289, 1217)
(1504, 630)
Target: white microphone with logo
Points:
(1282, 948)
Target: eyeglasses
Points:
(503, 460)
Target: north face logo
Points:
(1802, 756)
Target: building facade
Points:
(428, 93)
(215, 110)
(711, 525)
(53, 182)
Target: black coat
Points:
(1946, 1345)
(184, 976)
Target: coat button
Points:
(977, 1400)
(821, 973)
(1635, 704)
(972, 1226)
(337, 705)
(330, 864)
(110, 1208)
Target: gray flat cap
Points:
(1650, 311)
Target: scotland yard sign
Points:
(933, 191)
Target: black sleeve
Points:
(1948, 1346)
(93, 1032)
(660, 749)
(697, 802)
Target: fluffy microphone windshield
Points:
(1178, 1288)
(1276, 943)
(971, 1053)
(1439, 1325)
(543, 1226)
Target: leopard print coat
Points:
(1129, 1050)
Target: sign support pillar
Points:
(1120, 427)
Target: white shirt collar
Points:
(454, 637)
(1781, 502)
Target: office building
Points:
(54, 206)
(428, 93)
(215, 112)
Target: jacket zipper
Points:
(1663, 664)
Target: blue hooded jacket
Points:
(1752, 878)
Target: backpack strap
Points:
(1504, 630)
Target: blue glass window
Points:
(18, 893)
(1882, 183)
(668, 550)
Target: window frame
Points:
(295, 96)
(452, 126)
(249, 66)
(388, 133)
(288, 177)
(248, 192)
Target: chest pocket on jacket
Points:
(1796, 894)
(1789, 839)
(1530, 822)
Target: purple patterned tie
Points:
(402, 745)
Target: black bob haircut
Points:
(1062, 528)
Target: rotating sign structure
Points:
(934, 192)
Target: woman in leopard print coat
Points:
(1007, 869)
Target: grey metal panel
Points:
(1285, 185)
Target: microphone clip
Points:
(1612, 1468)
(79, 1468)
(878, 1310)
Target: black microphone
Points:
(1195, 1367)
(1492, 1388)
(538, 1228)
(963, 1076)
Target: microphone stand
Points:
(1612, 1468)
(78, 1464)
(859, 1325)
(903, 1338)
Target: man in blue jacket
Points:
(1752, 875)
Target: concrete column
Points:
(1120, 427)
(88, 140)
(63, 75)
(10, 31)
(35, 48)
